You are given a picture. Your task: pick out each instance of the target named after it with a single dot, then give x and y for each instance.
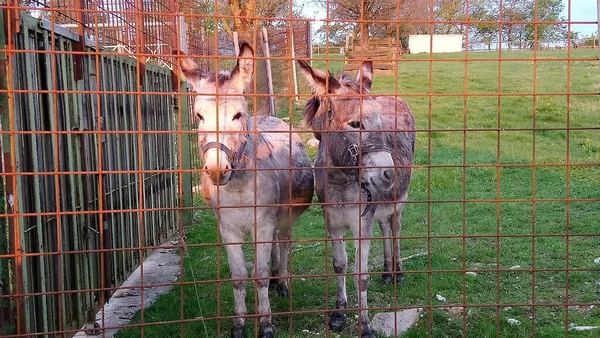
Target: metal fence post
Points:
(6, 308)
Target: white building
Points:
(441, 43)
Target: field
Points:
(489, 200)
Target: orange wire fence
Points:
(101, 163)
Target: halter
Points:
(234, 158)
(353, 149)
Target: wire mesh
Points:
(105, 165)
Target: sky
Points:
(581, 10)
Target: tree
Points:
(447, 12)
(529, 32)
(245, 11)
(548, 11)
(401, 11)
(483, 23)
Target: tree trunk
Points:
(248, 36)
(355, 34)
(509, 35)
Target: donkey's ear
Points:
(310, 111)
(364, 76)
(318, 80)
(241, 75)
(193, 74)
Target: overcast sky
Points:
(581, 10)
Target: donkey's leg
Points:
(385, 224)
(261, 272)
(362, 245)
(284, 247)
(396, 229)
(239, 273)
(340, 264)
(275, 264)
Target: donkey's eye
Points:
(356, 125)
(200, 117)
(237, 116)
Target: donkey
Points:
(257, 177)
(365, 154)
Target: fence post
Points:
(186, 163)
(6, 306)
(236, 43)
(347, 42)
(294, 63)
(310, 37)
(598, 31)
(268, 67)
(183, 35)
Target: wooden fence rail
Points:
(36, 287)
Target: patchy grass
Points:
(453, 166)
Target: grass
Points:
(530, 205)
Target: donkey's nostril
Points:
(388, 174)
(205, 167)
(226, 167)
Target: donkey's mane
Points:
(222, 77)
(347, 81)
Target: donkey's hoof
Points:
(282, 290)
(238, 331)
(337, 321)
(367, 332)
(266, 331)
(400, 278)
(388, 278)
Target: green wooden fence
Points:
(112, 200)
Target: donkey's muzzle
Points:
(219, 176)
(220, 170)
(379, 171)
(387, 176)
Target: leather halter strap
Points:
(353, 149)
(234, 158)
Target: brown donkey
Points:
(365, 154)
(257, 177)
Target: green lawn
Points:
(493, 161)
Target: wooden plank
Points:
(376, 65)
(385, 42)
(371, 53)
(72, 269)
(117, 79)
(35, 316)
(10, 269)
(134, 153)
(131, 192)
(380, 70)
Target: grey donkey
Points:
(365, 154)
(249, 162)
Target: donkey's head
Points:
(349, 124)
(221, 111)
